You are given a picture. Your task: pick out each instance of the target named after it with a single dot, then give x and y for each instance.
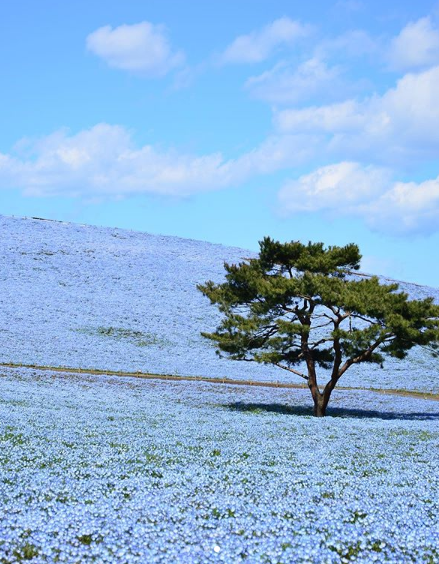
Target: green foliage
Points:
(299, 305)
(26, 552)
(85, 539)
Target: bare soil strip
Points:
(171, 377)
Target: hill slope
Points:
(91, 297)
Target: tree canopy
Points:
(300, 307)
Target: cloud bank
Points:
(401, 124)
(103, 161)
(367, 192)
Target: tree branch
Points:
(317, 343)
(356, 316)
(362, 356)
(335, 310)
(324, 324)
(291, 370)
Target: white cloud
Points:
(417, 46)
(350, 189)
(338, 187)
(259, 45)
(285, 84)
(407, 208)
(400, 126)
(141, 48)
(103, 161)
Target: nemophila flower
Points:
(117, 470)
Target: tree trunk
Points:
(320, 404)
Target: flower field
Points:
(119, 470)
(107, 469)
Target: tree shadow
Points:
(331, 411)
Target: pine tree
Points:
(300, 307)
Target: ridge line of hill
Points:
(218, 380)
(89, 225)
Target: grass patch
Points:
(25, 552)
(137, 338)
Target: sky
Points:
(229, 120)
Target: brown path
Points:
(169, 377)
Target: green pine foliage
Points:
(300, 307)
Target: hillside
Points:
(91, 297)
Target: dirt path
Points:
(169, 377)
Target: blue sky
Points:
(229, 120)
